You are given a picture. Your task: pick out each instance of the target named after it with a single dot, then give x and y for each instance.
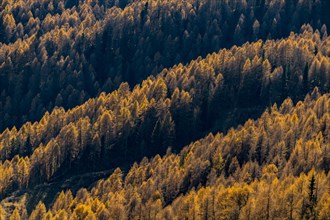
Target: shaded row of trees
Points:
(61, 53)
(274, 167)
(178, 106)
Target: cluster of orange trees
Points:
(61, 53)
(175, 108)
(142, 90)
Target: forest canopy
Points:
(61, 53)
(196, 109)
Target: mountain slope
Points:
(273, 167)
(128, 109)
(177, 107)
(61, 53)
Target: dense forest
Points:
(273, 168)
(145, 109)
(104, 43)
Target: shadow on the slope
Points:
(47, 192)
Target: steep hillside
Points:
(164, 109)
(273, 167)
(61, 53)
(180, 105)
